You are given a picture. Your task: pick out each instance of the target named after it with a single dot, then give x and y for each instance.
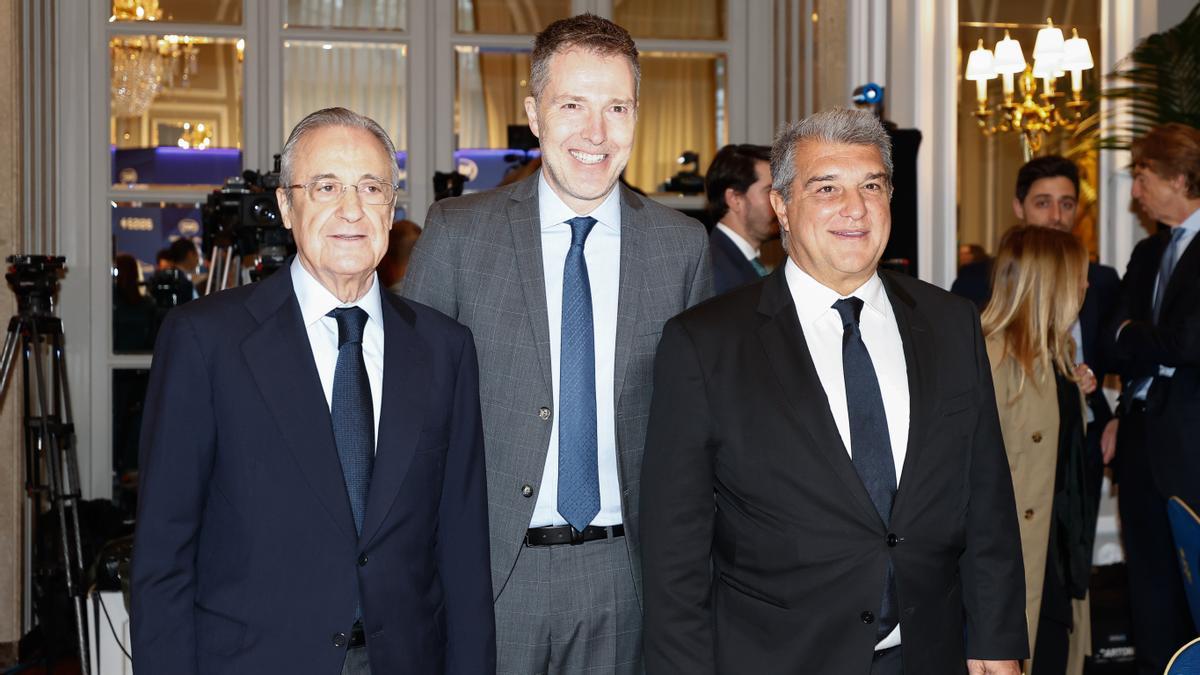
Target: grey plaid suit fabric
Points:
(479, 260)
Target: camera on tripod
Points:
(242, 219)
(34, 280)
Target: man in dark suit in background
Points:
(312, 481)
(777, 538)
(738, 186)
(1158, 354)
(566, 278)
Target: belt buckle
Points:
(576, 536)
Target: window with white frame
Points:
(208, 90)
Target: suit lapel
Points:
(1186, 270)
(787, 352)
(629, 294)
(526, 230)
(1089, 316)
(405, 370)
(280, 360)
(916, 334)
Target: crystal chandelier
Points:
(1032, 115)
(144, 66)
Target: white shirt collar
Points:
(813, 298)
(552, 210)
(744, 246)
(316, 301)
(1191, 223)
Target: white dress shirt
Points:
(744, 246)
(602, 254)
(315, 302)
(822, 326)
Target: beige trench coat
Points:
(1029, 424)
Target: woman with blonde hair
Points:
(1038, 281)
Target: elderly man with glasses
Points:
(285, 525)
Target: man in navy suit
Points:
(313, 495)
(738, 187)
(1157, 352)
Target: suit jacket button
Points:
(892, 539)
(867, 617)
(339, 640)
(527, 489)
(1037, 437)
(544, 413)
(1028, 514)
(362, 560)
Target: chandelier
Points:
(145, 66)
(1031, 114)
(195, 136)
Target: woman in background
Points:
(1038, 282)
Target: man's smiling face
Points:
(584, 118)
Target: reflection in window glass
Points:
(368, 14)
(225, 12)
(128, 397)
(178, 92)
(366, 78)
(510, 16)
(492, 86)
(675, 19)
(681, 107)
(152, 272)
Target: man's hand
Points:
(1086, 379)
(1108, 440)
(977, 667)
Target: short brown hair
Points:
(1171, 150)
(586, 31)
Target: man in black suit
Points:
(1158, 354)
(313, 496)
(775, 538)
(738, 187)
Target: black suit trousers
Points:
(1160, 617)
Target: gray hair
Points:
(332, 117)
(842, 126)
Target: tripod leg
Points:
(73, 569)
(10, 351)
(66, 440)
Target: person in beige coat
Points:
(1039, 279)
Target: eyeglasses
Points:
(374, 192)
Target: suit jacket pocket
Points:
(217, 633)
(433, 441)
(739, 587)
(952, 405)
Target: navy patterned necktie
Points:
(578, 474)
(1165, 268)
(870, 444)
(352, 411)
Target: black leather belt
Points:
(357, 637)
(565, 534)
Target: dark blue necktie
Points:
(578, 476)
(1165, 267)
(870, 444)
(351, 410)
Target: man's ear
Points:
(732, 197)
(531, 114)
(780, 208)
(1019, 209)
(285, 206)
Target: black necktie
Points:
(870, 444)
(352, 412)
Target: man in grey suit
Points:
(566, 279)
